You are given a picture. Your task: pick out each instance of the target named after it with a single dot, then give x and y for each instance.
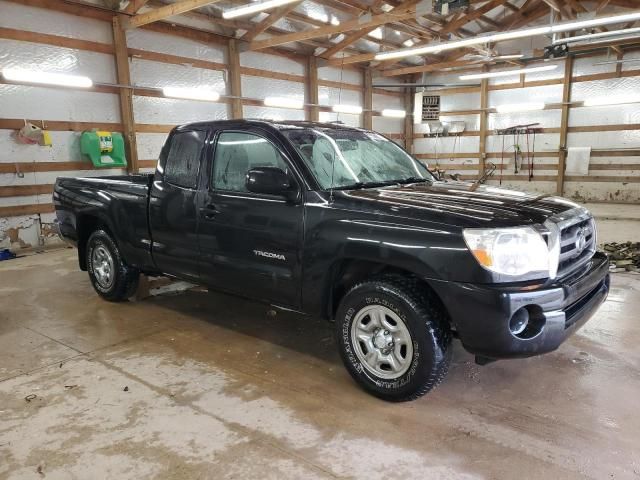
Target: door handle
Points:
(209, 211)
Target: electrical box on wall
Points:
(105, 149)
(426, 108)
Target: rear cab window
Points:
(183, 159)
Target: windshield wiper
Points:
(360, 185)
(405, 181)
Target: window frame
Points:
(210, 183)
(203, 149)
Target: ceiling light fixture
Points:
(519, 107)
(254, 8)
(22, 75)
(392, 113)
(611, 100)
(512, 35)
(513, 56)
(507, 73)
(193, 93)
(353, 109)
(594, 36)
(283, 102)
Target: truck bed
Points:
(117, 203)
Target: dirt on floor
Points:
(196, 385)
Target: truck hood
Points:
(453, 203)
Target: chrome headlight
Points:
(516, 252)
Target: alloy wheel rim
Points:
(382, 342)
(103, 266)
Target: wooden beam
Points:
(267, 22)
(134, 6)
(125, 94)
(367, 94)
(376, 20)
(235, 83)
(484, 105)
(564, 122)
(313, 112)
(165, 12)
(408, 119)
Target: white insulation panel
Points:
(260, 88)
(154, 74)
(273, 63)
(170, 111)
(388, 125)
(150, 145)
(22, 17)
(346, 75)
(183, 47)
(330, 96)
(271, 113)
(43, 103)
(387, 101)
(46, 58)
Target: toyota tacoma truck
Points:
(342, 223)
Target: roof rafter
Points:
(267, 22)
(376, 20)
(165, 12)
(357, 35)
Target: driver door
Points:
(250, 243)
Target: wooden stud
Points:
(484, 105)
(564, 122)
(235, 82)
(313, 112)
(409, 93)
(125, 94)
(367, 100)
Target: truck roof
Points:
(279, 125)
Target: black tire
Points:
(124, 281)
(428, 326)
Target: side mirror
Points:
(268, 180)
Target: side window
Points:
(236, 154)
(183, 160)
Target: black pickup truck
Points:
(342, 223)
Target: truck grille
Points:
(577, 243)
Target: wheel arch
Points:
(86, 224)
(345, 273)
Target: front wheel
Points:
(113, 279)
(394, 338)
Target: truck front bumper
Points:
(484, 316)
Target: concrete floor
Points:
(196, 385)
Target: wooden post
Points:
(409, 93)
(484, 105)
(126, 94)
(368, 99)
(564, 123)
(234, 79)
(313, 112)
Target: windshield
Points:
(351, 158)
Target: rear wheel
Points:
(113, 279)
(394, 338)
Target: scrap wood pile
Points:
(624, 257)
